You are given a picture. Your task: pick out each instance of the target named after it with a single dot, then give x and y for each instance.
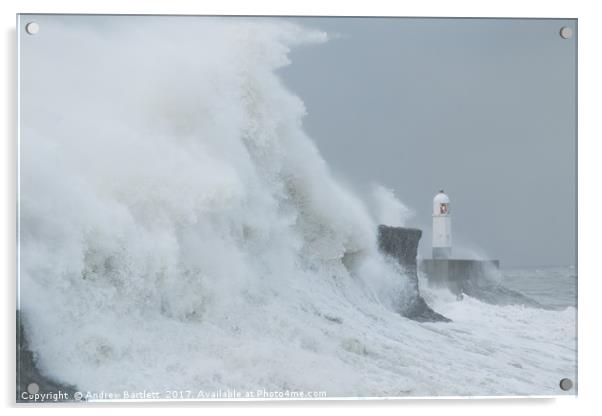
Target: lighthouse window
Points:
(443, 208)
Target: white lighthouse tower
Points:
(441, 227)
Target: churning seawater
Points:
(552, 286)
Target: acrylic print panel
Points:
(276, 208)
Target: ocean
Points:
(553, 287)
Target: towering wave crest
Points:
(170, 180)
(179, 230)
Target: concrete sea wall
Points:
(402, 244)
(455, 274)
(475, 278)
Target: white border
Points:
(590, 30)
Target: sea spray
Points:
(389, 210)
(169, 178)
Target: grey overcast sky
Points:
(483, 108)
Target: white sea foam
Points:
(179, 230)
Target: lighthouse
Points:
(441, 227)
(460, 276)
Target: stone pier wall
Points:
(402, 244)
